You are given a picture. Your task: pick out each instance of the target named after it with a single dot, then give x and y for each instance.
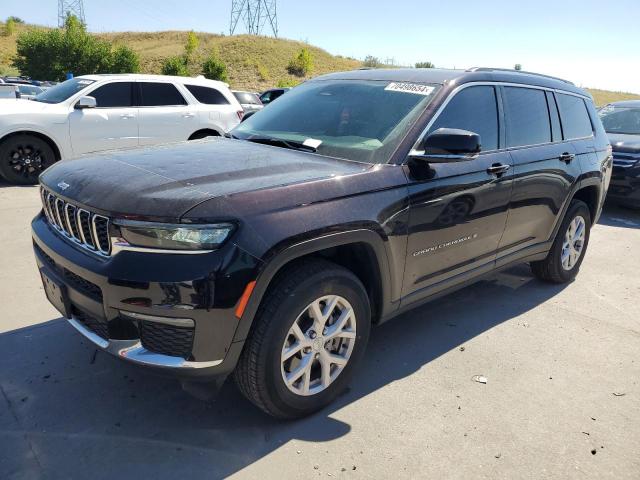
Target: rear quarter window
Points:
(207, 95)
(574, 116)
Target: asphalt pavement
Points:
(561, 398)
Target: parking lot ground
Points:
(562, 398)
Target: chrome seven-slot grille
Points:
(84, 227)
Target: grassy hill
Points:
(253, 63)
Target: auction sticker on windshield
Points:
(415, 88)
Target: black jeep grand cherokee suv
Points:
(355, 197)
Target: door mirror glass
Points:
(448, 145)
(85, 102)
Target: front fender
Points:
(298, 250)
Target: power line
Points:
(255, 14)
(70, 7)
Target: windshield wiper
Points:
(279, 142)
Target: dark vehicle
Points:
(250, 102)
(269, 96)
(355, 197)
(621, 120)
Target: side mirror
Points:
(85, 102)
(248, 114)
(448, 145)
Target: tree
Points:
(301, 64)
(425, 65)
(50, 54)
(15, 19)
(175, 66)
(214, 69)
(371, 62)
(517, 67)
(124, 60)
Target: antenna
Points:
(255, 14)
(70, 7)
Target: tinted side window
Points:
(113, 95)
(527, 117)
(474, 109)
(206, 95)
(575, 117)
(160, 94)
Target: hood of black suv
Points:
(166, 181)
(624, 143)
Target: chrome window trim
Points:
(415, 152)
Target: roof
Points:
(626, 103)
(199, 80)
(442, 76)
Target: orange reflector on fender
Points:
(242, 304)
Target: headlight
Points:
(176, 237)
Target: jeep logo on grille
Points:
(63, 185)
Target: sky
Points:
(594, 44)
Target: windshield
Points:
(625, 120)
(29, 89)
(362, 120)
(247, 98)
(63, 90)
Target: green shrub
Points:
(50, 54)
(263, 72)
(302, 64)
(175, 66)
(284, 83)
(425, 65)
(214, 69)
(124, 60)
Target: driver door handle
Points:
(498, 169)
(188, 115)
(127, 115)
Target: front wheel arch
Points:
(314, 248)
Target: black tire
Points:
(258, 373)
(550, 269)
(23, 158)
(203, 134)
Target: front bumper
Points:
(625, 180)
(172, 313)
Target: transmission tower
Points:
(255, 14)
(70, 7)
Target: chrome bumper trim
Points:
(133, 351)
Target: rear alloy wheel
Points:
(309, 334)
(569, 247)
(23, 158)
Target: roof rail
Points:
(509, 70)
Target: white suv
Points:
(103, 112)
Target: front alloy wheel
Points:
(318, 345)
(309, 334)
